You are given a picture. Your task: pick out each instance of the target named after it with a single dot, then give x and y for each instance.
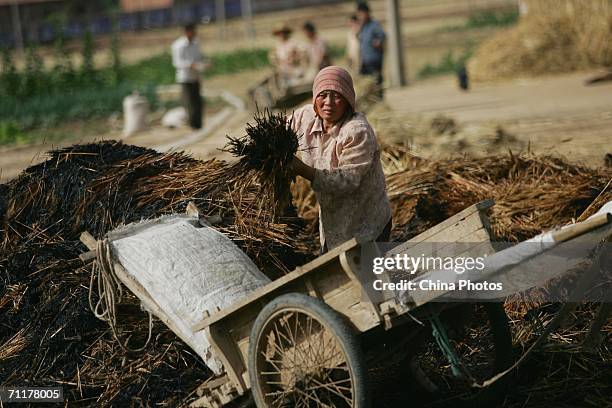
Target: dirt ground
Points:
(556, 114)
(553, 114)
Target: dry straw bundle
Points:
(555, 36)
(533, 193)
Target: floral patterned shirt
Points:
(349, 182)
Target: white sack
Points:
(188, 270)
(175, 118)
(135, 111)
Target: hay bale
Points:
(554, 37)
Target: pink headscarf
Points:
(334, 78)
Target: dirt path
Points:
(556, 114)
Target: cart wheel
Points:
(303, 354)
(483, 344)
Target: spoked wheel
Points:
(480, 339)
(303, 354)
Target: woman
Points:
(352, 43)
(341, 158)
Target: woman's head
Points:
(282, 32)
(333, 93)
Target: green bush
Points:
(10, 132)
(491, 18)
(36, 98)
(449, 63)
(50, 110)
(486, 18)
(158, 69)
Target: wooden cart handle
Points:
(581, 227)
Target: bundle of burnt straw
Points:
(49, 335)
(265, 153)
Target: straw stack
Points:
(555, 36)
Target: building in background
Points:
(36, 21)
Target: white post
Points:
(246, 7)
(17, 25)
(396, 52)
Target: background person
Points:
(352, 43)
(189, 63)
(286, 57)
(341, 159)
(371, 44)
(316, 50)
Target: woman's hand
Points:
(302, 169)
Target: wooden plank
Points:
(299, 272)
(350, 264)
(88, 240)
(227, 351)
(471, 230)
(422, 297)
(480, 206)
(88, 256)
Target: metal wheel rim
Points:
(316, 373)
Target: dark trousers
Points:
(373, 69)
(384, 236)
(192, 101)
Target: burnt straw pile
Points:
(49, 335)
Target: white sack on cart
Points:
(188, 270)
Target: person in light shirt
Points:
(286, 57)
(340, 156)
(189, 62)
(316, 50)
(352, 43)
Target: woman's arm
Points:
(302, 169)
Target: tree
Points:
(115, 56)
(9, 77)
(63, 75)
(88, 72)
(33, 74)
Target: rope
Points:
(110, 292)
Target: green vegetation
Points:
(158, 69)
(449, 63)
(37, 99)
(487, 18)
(10, 132)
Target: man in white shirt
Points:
(189, 63)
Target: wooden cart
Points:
(302, 340)
(307, 338)
(273, 93)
